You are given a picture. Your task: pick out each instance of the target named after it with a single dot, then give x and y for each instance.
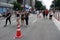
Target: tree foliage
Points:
(39, 6)
(43, 7)
(56, 3)
(17, 5)
(20, 1)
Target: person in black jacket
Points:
(26, 17)
(8, 18)
(22, 18)
(44, 14)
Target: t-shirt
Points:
(46, 11)
(27, 16)
(37, 12)
(43, 12)
(8, 15)
(51, 13)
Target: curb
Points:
(57, 23)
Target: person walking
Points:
(37, 13)
(22, 18)
(18, 16)
(50, 14)
(8, 18)
(26, 17)
(46, 13)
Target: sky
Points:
(47, 3)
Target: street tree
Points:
(17, 6)
(39, 5)
(56, 4)
(20, 1)
(43, 7)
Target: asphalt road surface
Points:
(38, 29)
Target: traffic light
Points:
(20, 1)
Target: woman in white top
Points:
(50, 14)
(37, 13)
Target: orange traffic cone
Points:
(18, 34)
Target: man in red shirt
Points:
(46, 12)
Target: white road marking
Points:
(57, 23)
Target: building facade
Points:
(4, 4)
(30, 2)
(5, 1)
(33, 3)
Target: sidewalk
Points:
(56, 19)
(57, 16)
(57, 23)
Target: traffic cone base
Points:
(18, 36)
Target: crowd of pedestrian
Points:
(47, 13)
(24, 16)
(20, 15)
